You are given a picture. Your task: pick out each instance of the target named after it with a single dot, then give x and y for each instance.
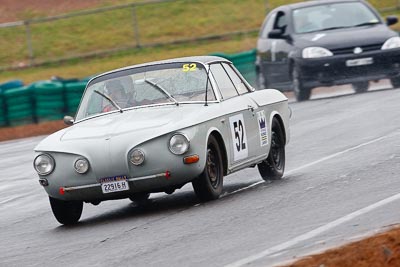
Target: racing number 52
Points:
(239, 135)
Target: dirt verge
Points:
(379, 250)
(29, 130)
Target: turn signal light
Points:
(191, 159)
(61, 191)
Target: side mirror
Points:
(275, 34)
(390, 20)
(68, 120)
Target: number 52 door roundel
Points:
(239, 137)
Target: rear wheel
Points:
(301, 92)
(66, 212)
(360, 87)
(273, 167)
(208, 185)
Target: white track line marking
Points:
(317, 161)
(325, 227)
(314, 232)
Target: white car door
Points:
(241, 118)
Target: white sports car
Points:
(157, 126)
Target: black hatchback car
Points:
(325, 43)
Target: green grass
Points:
(164, 22)
(84, 67)
(157, 23)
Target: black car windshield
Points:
(170, 83)
(332, 16)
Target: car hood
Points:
(128, 129)
(348, 37)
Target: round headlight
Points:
(137, 157)
(179, 144)
(316, 52)
(81, 165)
(44, 164)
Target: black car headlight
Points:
(179, 144)
(44, 164)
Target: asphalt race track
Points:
(342, 182)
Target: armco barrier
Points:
(3, 117)
(244, 62)
(49, 100)
(19, 106)
(73, 94)
(11, 85)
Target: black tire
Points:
(360, 87)
(66, 212)
(208, 185)
(140, 198)
(395, 82)
(301, 92)
(273, 167)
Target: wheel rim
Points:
(277, 151)
(212, 168)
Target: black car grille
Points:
(350, 50)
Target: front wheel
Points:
(66, 212)
(301, 92)
(360, 87)
(273, 167)
(208, 185)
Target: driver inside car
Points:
(116, 91)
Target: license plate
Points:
(114, 184)
(359, 62)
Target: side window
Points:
(268, 26)
(224, 84)
(281, 21)
(239, 85)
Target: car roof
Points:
(200, 59)
(316, 2)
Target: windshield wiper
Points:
(366, 24)
(333, 28)
(162, 90)
(109, 99)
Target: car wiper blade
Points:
(366, 24)
(162, 90)
(109, 99)
(333, 28)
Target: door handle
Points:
(251, 108)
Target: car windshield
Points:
(332, 16)
(171, 83)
